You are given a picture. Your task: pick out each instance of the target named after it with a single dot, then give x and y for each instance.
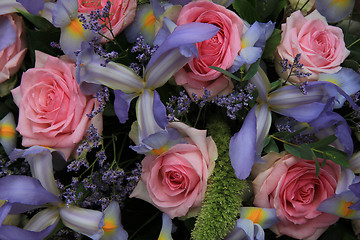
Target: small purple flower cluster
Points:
(13, 167)
(295, 68)
(92, 21)
(92, 140)
(101, 187)
(287, 124)
(98, 49)
(102, 96)
(144, 51)
(236, 100)
(178, 106)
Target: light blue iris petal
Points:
(242, 148)
(8, 34)
(335, 11)
(32, 6)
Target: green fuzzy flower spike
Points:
(225, 192)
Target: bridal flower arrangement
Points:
(180, 119)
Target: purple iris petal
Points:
(24, 190)
(158, 7)
(180, 2)
(12, 232)
(8, 35)
(159, 111)
(63, 12)
(242, 148)
(32, 6)
(184, 34)
(121, 105)
(334, 11)
(157, 140)
(303, 113)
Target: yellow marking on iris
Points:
(109, 226)
(345, 210)
(159, 151)
(76, 28)
(334, 81)
(162, 237)
(339, 2)
(256, 215)
(149, 20)
(7, 131)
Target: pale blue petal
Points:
(157, 140)
(167, 28)
(8, 34)
(40, 160)
(250, 54)
(302, 113)
(262, 84)
(159, 110)
(167, 60)
(252, 35)
(24, 190)
(15, 233)
(63, 12)
(158, 7)
(247, 226)
(180, 2)
(139, 27)
(10, 6)
(84, 221)
(263, 124)
(267, 29)
(165, 233)
(122, 104)
(238, 62)
(259, 233)
(32, 6)
(242, 148)
(347, 177)
(347, 79)
(112, 213)
(43, 219)
(147, 124)
(114, 75)
(335, 11)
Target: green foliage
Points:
(271, 44)
(313, 151)
(225, 192)
(229, 74)
(246, 10)
(252, 70)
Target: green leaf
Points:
(6, 86)
(271, 146)
(275, 85)
(271, 44)
(349, 63)
(265, 8)
(293, 134)
(334, 155)
(302, 151)
(323, 142)
(252, 70)
(229, 74)
(246, 10)
(39, 22)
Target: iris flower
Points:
(23, 193)
(335, 10)
(172, 55)
(64, 16)
(8, 133)
(252, 223)
(247, 144)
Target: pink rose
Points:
(52, 109)
(175, 181)
(219, 51)
(122, 13)
(321, 46)
(292, 188)
(12, 56)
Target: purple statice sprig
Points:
(291, 126)
(295, 70)
(102, 97)
(144, 52)
(178, 106)
(92, 140)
